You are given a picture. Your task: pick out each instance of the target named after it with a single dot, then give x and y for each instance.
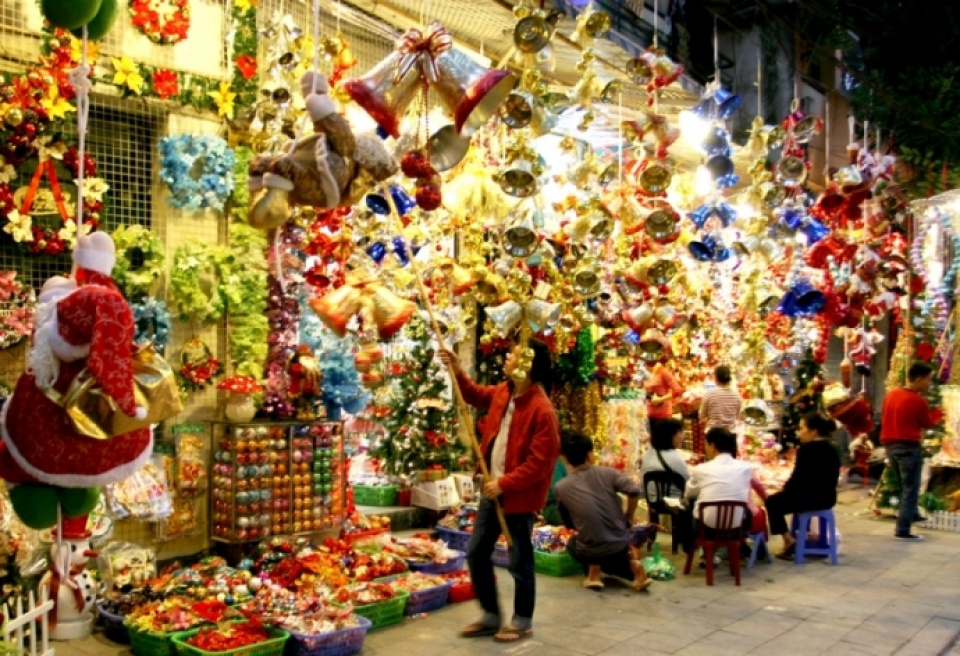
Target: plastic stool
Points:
(826, 545)
(758, 539)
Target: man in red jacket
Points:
(904, 416)
(520, 438)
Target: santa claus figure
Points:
(85, 324)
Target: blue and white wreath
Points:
(152, 320)
(198, 171)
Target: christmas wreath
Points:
(197, 366)
(16, 310)
(191, 263)
(198, 171)
(152, 320)
(162, 21)
(140, 257)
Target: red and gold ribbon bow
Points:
(423, 48)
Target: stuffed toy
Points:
(330, 168)
(81, 324)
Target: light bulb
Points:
(703, 183)
(693, 128)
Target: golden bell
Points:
(772, 194)
(532, 34)
(586, 281)
(667, 317)
(653, 345)
(661, 272)
(639, 70)
(470, 91)
(848, 176)
(568, 323)
(505, 317)
(488, 289)
(381, 97)
(520, 238)
(389, 311)
(596, 25)
(655, 177)
(542, 314)
(756, 413)
(567, 295)
(461, 280)
(517, 110)
(791, 171)
(662, 223)
(638, 318)
(337, 308)
(288, 61)
(447, 148)
(519, 179)
(807, 128)
(636, 273)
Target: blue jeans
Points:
(486, 531)
(909, 464)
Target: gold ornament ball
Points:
(14, 117)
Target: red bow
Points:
(415, 46)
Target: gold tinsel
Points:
(580, 409)
(899, 362)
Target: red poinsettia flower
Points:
(165, 83)
(247, 65)
(925, 352)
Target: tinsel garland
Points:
(579, 365)
(899, 362)
(244, 282)
(579, 409)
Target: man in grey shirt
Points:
(588, 501)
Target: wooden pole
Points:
(466, 419)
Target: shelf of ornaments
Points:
(276, 478)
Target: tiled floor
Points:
(885, 597)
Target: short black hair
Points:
(722, 440)
(722, 374)
(919, 370)
(541, 368)
(821, 425)
(661, 437)
(575, 447)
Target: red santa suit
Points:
(92, 328)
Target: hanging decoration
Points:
(152, 320)
(198, 171)
(194, 283)
(198, 366)
(17, 305)
(140, 259)
(164, 22)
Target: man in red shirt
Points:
(904, 416)
(520, 439)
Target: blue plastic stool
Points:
(826, 544)
(758, 539)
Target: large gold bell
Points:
(653, 345)
(488, 289)
(520, 238)
(586, 281)
(791, 171)
(505, 317)
(655, 177)
(662, 223)
(542, 314)
(532, 34)
(519, 179)
(337, 308)
(389, 311)
(447, 148)
(381, 97)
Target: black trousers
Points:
(617, 564)
(780, 505)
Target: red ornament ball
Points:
(428, 197)
(416, 165)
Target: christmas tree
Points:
(420, 417)
(888, 492)
(805, 399)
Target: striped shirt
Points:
(720, 407)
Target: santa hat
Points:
(95, 252)
(74, 528)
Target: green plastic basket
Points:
(384, 613)
(375, 495)
(149, 643)
(556, 564)
(272, 647)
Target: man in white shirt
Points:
(721, 478)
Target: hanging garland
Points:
(152, 320)
(937, 299)
(140, 257)
(198, 171)
(17, 305)
(195, 296)
(162, 21)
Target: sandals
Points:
(640, 586)
(478, 630)
(512, 634)
(592, 585)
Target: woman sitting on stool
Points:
(813, 483)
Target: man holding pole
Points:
(520, 442)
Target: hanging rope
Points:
(79, 78)
(316, 70)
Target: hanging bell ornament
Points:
(662, 272)
(470, 91)
(541, 314)
(519, 179)
(653, 345)
(338, 307)
(791, 171)
(505, 317)
(756, 413)
(489, 286)
(655, 176)
(639, 317)
(389, 311)
(532, 34)
(447, 148)
(381, 96)
(520, 238)
(586, 280)
(517, 110)
(592, 25)
(662, 223)
(807, 128)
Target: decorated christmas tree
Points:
(420, 418)
(805, 399)
(888, 494)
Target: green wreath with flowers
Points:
(195, 289)
(140, 259)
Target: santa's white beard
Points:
(41, 359)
